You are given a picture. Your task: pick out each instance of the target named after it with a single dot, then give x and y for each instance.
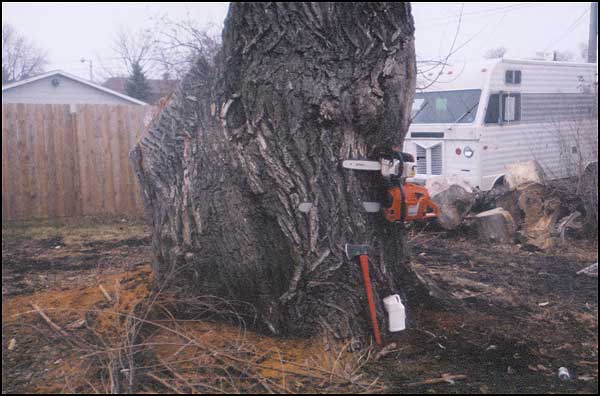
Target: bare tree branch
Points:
(20, 57)
(181, 42)
(168, 48)
(443, 63)
(495, 53)
(135, 47)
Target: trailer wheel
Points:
(500, 186)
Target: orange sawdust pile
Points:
(63, 305)
(178, 353)
(199, 342)
(85, 308)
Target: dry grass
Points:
(75, 231)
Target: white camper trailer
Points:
(471, 120)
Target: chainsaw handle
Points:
(364, 265)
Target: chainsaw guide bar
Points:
(362, 165)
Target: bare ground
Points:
(527, 314)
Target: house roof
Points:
(71, 77)
(158, 88)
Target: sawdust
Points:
(288, 364)
(65, 307)
(45, 362)
(65, 303)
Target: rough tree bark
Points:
(296, 89)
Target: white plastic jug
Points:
(396, 313)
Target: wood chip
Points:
(106, 295)
(386, 350)
(78, 324)
(586, 378)
(541, 367)
(50, 323)
(586, 363)
(445, 378)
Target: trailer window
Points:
(492, 114)
(512, 77)
(507, 105)
(418, 103)
(445, 107)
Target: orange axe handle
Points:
(364, 265)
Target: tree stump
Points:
(296, 89)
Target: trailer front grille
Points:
(430, 160)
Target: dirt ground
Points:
(526, 314)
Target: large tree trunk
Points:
(296, 89)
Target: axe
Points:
(352, 251)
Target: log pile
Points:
(527, 208)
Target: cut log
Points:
(496, 225)
(522, 173)
(437, 184)
(455, 202)
(509, 201)
(296, 89)
(566, 223)
(542, 212)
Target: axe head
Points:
(353, 251)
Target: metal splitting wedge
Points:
(362, 251)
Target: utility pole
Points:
(593, 35)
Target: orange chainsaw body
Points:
(410, 202)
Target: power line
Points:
(569, 30)
(487, 13)
(456, 49)
(101, 59)
(493, 32)
(479, 12)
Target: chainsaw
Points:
(403, 201)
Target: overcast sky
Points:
(70, 31)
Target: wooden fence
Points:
(69, 161)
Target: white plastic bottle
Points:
(396, 313)
(563, 374)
